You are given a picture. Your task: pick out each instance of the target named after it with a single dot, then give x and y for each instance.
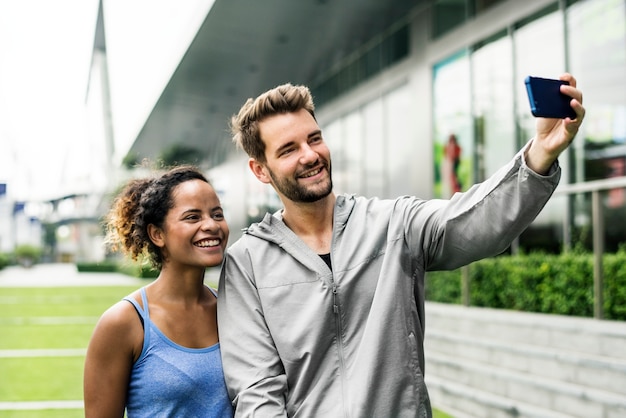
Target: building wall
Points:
(388, 135)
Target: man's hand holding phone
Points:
(554, 134)
(546, 99)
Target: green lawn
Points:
(48, 318)
(41, 378)
(439, 414)
(59, 301)
(69, 335)
(44, 413)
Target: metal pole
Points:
(598, 250)
(465, 285)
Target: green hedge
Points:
(111, 266)
(27, 254)
(557, 284)
(99, 267)
(5, 260)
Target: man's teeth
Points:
(209, 243)
(312, 173)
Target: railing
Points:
(595, 188)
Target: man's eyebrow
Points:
(290, 143)
(284, 146)
(315, 133)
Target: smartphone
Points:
(546, 99)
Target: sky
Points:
(49, 143)
(45, 54)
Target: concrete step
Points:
(604, 373)
(485, 363)
(585, 335)
(463, 401)
(518, 387)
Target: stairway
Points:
(491, 363)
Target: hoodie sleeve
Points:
(484, 220)
(256, 379)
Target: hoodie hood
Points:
(272, 228)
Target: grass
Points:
(45, 336)
(52, 318)
(41, 378)
(59, 301)
(439, 414)
(48, 318)
(44, 413)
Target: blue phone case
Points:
(546, 100)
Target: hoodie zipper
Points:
(335, 307)
(342, 369)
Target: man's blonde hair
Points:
(285, 98)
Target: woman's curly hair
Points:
(140, 203)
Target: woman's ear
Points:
(156, 235)
(259, 171)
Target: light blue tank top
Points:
(169, 380)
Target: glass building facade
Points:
(446, 106)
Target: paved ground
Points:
(65, 274)
(34, 405)
(61, 274)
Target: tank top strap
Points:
(212, 291)
(143, 312)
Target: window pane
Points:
(333, 137)
(448, 14)
(353, 138)
(539, 51)
(452, 119)
(374, 146)
(597, 42)
(400, 154)
(598, 29)
(492, 73)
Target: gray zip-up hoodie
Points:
(300, 340)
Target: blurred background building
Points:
(393, 82)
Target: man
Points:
(321, 305)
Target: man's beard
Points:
(293, 191)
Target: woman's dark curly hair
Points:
(140, 203)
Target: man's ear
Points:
(156, 235)
(259, 171)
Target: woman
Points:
(156, 352)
